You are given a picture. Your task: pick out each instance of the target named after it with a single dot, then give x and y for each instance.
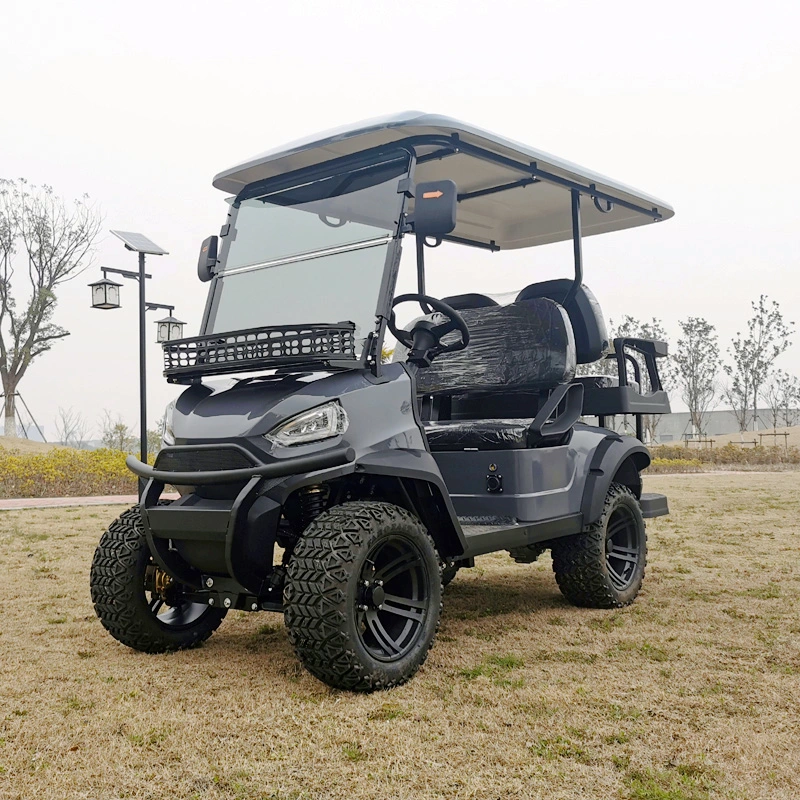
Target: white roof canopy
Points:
(532, 207)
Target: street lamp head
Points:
(105, 294)
(169, 329)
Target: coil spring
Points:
(313, 501)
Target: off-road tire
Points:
(323, 607)
(580, 562)
(117, 582)
(449, 571)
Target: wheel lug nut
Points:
(209, 582)
(227, 602)
(211, 601)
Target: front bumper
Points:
(222, 531)
(275, 469)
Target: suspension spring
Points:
(313, 501)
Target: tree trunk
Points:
(9, 415)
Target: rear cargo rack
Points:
(259, 348)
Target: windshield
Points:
(312, 253)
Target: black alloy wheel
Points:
(363, 596)
(603, 567)
(392, 598)
(166, 602)
(138, 603)
(623, 548)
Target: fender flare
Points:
(609, 456)
(419, 466)
(416, 468)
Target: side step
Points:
(653, 505)
(483, 539)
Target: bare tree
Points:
(696, 363)
(753, 355)
(71, 428)
(791, 402)
(55, 243)
(782, 396)
(736, 393)
(116, 434)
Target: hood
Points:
(254, 406)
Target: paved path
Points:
(62, 502)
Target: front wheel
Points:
(603, 567)
(363, 596)
(137, 602)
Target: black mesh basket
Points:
(258, 348)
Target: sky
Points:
(141, 105)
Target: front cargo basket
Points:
(257, 349)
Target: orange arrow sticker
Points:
(432, 195)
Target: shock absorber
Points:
(313, 501)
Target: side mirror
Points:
(435, 204)
(208, 259)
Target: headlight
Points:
(320, 423)
(167, 434)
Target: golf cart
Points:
(319, 482)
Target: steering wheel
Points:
(424, 339)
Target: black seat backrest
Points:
(523, 347)
(591, 337)
(460, 302)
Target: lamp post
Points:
(105, 295)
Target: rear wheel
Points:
(363, 596)
(138, 603)
(603, 567)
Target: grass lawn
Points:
(693, 692)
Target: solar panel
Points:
(139, 243)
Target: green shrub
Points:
(64, 472)
(729, 455)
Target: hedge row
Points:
(731, 455)
(64, 472)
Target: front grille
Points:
(202, 460)
(257, 348)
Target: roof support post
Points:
(577, 248)
(420, 242)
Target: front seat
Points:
(517, 356)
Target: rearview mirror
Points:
(435, 204)
(208, 259)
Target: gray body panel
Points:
(540, 484)
(542, 487)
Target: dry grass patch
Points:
(692, 693)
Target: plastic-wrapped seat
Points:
(486, 434)
(517, 355)
(518, 348)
